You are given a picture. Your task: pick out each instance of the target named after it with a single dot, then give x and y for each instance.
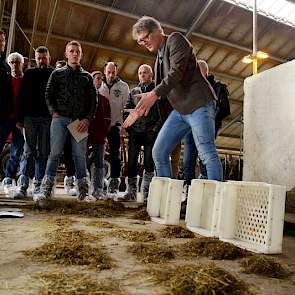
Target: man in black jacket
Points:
(142, 133)
(5, 93)
(5, 86)
(34, 117)
(70, 96)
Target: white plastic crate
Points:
(164, 200)
(203, 207)
(252, 216)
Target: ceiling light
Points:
(247, 59)
(262, 55)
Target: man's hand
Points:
(55, 115)
(132, 117)
(146, 102)
(83, 125)
(19, 126)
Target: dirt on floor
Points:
(124, 240)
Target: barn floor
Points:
(20, 274)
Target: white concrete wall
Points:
(269, 126)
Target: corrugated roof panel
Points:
(215, 59)
(231, 59)
(206, 51)
(280, 10)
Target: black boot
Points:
(83, 194)
(131, 194)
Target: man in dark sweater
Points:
(16, 62)
(142, 133)
(70, 96)
(98, 131)
(34, 119)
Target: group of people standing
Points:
(175, 102)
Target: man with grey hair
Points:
(116, 91)
(16, 63)
(178, 78)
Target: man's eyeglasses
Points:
(144, 39)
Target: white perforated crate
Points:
(203, 207)
(252, 216)
(164, 200)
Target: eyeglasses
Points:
(144, 39)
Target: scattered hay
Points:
(176, 232)
(199, 279)
(63, 222)
(98, 209)
(265, 266)
(71, 236)
(135, 236)
(100, 223)
(212, 248)
(142, 215)
(162, 274)
(59, 283)
(69, 253)
(138, 222)
(68, 247)
(151, 253)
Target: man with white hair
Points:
(7, 126)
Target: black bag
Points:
(223, 105)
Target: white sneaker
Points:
(99, 194)
(88, 198)
(7, 184)
(69, 185)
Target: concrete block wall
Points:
(269, 126)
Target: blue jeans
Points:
(190, 155)
(98, 176)
(7, 126)
(37, 146)
(202, 124)
(58, 135)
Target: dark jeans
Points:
(7, 126)
(37, 146)
(67, 158)
(114, 145)
(98, 177)
(135, 141)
